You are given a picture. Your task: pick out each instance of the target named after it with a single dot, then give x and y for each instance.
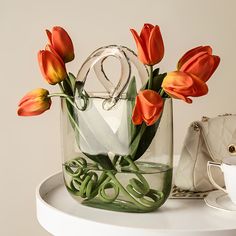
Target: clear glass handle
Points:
(95, 61)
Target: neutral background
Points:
(30, 147)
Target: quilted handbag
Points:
(211, 139)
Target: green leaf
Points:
(145, 139)
(156, 72)
(157, 81)
(134, 144)
(132, 90)
(72, 80)
(69, 84)
(143, 135)
(131, 95)
(67, 87)
(103, 160)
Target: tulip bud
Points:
(34, 103)
(61, 43)
(150, 44)
(148, 107)
(52, 67)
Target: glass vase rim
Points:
(105, 95)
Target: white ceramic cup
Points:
(228, 167)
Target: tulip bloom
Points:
(148, 107)
(61, 42)
(200, 62)
(52, 67)
(34, 103)
(150, 44)
(181, 85)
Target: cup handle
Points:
(209, 165)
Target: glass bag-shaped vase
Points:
(108, 162)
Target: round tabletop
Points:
(61, 215)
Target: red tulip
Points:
(34, 103)
(148, 107)
(200, 62)
(181, 85)
(51, 66)
(61, 43)
(150, 45)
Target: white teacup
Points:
(228, 167)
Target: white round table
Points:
(60, 215)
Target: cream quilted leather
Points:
(206, 140)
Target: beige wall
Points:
(30, 147)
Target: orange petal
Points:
(145, 35)
(62, 43)
(177, 79)
(146, 31)
(49, 35)
(39, 92)
(182, 85)
(213, 66)
(155, 46)
(48, 47)
(154, 118)
(137, 116)
(33, 107)
(51, 66)
(141, 48)
(203, 66)
(199, 87)
(151, 105)
(193, 53)
(177, 95)
(40, 61)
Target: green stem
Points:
(124, 191)
(135, 168)
(162, 92)
(103, 177)
(68, 98)
(137, 192)
(136, 140)
(61, 87)
(69, 83)
(150, 77)
(115, 159)
(132, 164)
(63, 95)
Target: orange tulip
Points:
(150, 45)
(34, 103)
(61, 43)
(200, 62)
(194, 69)
(148, 107)
(51, 66)
(181, 85)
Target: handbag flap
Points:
(219, 133)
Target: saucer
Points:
(220, 200)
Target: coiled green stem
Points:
(85, 182)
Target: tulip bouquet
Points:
(194, 69)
